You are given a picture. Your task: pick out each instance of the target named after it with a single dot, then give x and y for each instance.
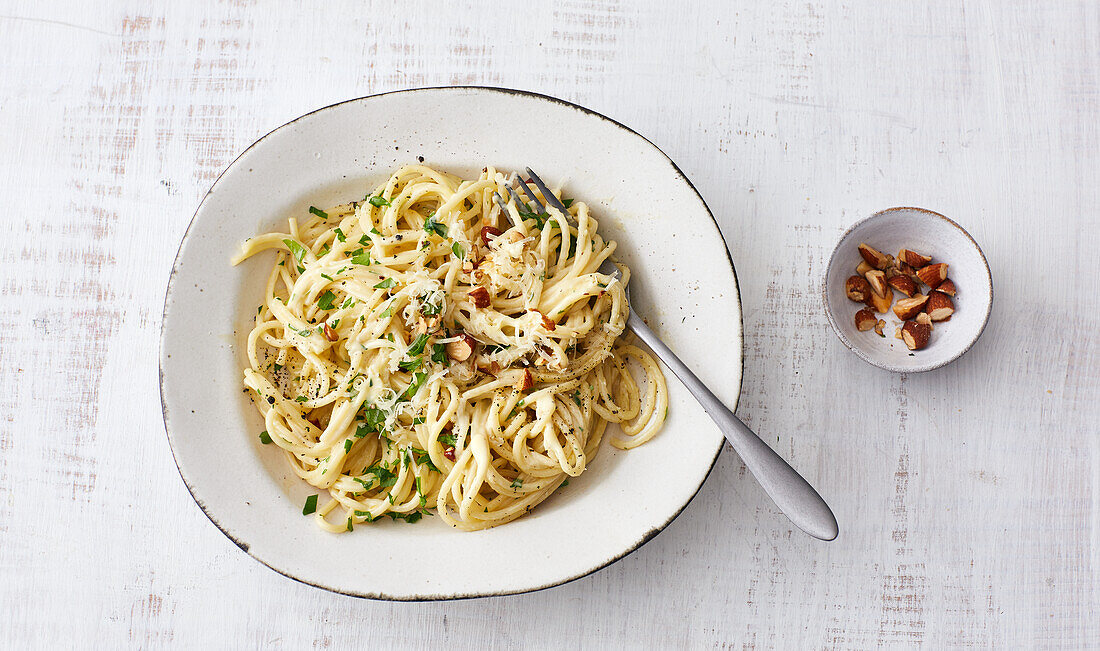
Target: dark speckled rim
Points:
(856, 349)
(650, 535)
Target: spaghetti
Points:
(425, 348)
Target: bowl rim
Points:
(245, 546)
(859, 351)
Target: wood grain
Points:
(968, 497)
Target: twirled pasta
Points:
(424, 348)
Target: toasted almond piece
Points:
(857, 288)
(903, 284)
(330, 334)
(873, 256)
(877, 280)
(489, 232)
(526, 382)
(480, 297)
(461, 350)
(933, 274)
(923, 318)
(897, 332)
(907, 308)
(940, 306)
(862, 268)
(913, 259)
(946, 287)
(916, 335)
(881, 304)
(878, 328)
(547, 322)
(865, 320)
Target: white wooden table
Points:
(968, 498)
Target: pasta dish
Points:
(428, 349)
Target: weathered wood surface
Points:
(969, 497)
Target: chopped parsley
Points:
(301, 399)
(577, 397)
(409, 364)
(378, 201)
(311, 505)
(380, 475)
(448, 440)
(365, 514)
(348, 302)
(417, 346)
(327, 277)
(340, 235)
(326, 299)
(347, 446)
(365, 241)
(458, 250)
(517, 483)
(439, 354)
(265, 438)
(567, 202)
(385, 284)
(361, 256)
(317, 211)
(299, 252)
(388, 313)
(432, 226)
(409, 517)
(304, 333)
(423, 458)
(418, 381)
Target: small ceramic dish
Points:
(928, 233)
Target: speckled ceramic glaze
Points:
(684, 285)
(928, 233)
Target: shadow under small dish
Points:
(945, 242)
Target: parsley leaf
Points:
(301, 399)
(348, 302)
(448, 440)
(517, 483)
(326, 299)
(439, 354)
(265, 438)
(409, 364)
(417, 346)
(567, 202)
(378, 201)
(423, 459)
(385, 284)
(299, 252)
(577, 397)
(458, 250)
(311, 505)
(347, 446)
(317, 211)
(418, 380)
(361, 256)
(432, 226)
(340, 235)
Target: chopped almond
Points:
(881, 304)
(865, 320)
(907, 308)
(913, 259)
(877, 280)
(933, 274)
(480, 297)
(946, 287)
(547, 322)
(862, 268)
(489, 232)
(878, 328)
(857, 288)
(916, 335)
(923, 318)
(461, 350)
(940, 306)
(903, 284)
(330, 334)
(526, 381)
(873, 256)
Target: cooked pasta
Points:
(426, 349)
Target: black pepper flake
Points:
(271, 400)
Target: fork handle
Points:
(791, 493)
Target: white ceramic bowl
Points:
(928, 233)
(683, 283)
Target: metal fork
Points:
(791, 493)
